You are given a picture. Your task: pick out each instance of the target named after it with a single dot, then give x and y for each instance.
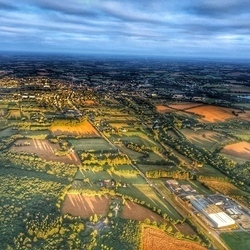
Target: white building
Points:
(213, 213)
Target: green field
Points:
(207, 170)
(95, 144)
(205, 138)
(137, 137)
(144, 192)
(102, 175)
(7, 132)
(197, 186)
(237, 240)
(41, 134)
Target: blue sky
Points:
(199, 28)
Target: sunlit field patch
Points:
(85, 206)
(158, 240)
(83, 128)
(240, 150)
(137, 212)
(45, 150)
(213, 113)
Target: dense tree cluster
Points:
(33, 162)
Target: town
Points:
(112, 153)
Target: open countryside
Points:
(103, 155)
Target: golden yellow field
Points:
(213, 113)
(158, 240)
(14, 114)
(90, 102)
(240, 149)
(163, 109)
(83, 128)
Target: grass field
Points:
(237, 240)
(133, 155)
(197, 186)
(7, 132)
(146, 193)
(102, 175)
(139, 138)
(158, 240)
(207, 170)
(36, 134)
(88, 144)
(205, 138)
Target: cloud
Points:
(7, 6)
(219, 9)
(141, 26)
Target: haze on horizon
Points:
(185, 28)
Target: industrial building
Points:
(213, 213)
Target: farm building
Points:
(213, 213)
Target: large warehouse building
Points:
(213, 213)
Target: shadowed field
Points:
(85, 206)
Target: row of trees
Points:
(104, 159)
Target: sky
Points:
(186, 28)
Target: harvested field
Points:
(240, 150)
(205, 138)
(163, 109)
(85, 206)
(45, 150)
(137, 212)
(14, 114)
(83, 128)
(90, 102)
(214, 113)
(159, 240)
(184, 105)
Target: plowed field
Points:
(158, 240)
(137, 212)
(213, 113)
(45, 150)
(240, 150)
(85, 206)
(163, 109)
